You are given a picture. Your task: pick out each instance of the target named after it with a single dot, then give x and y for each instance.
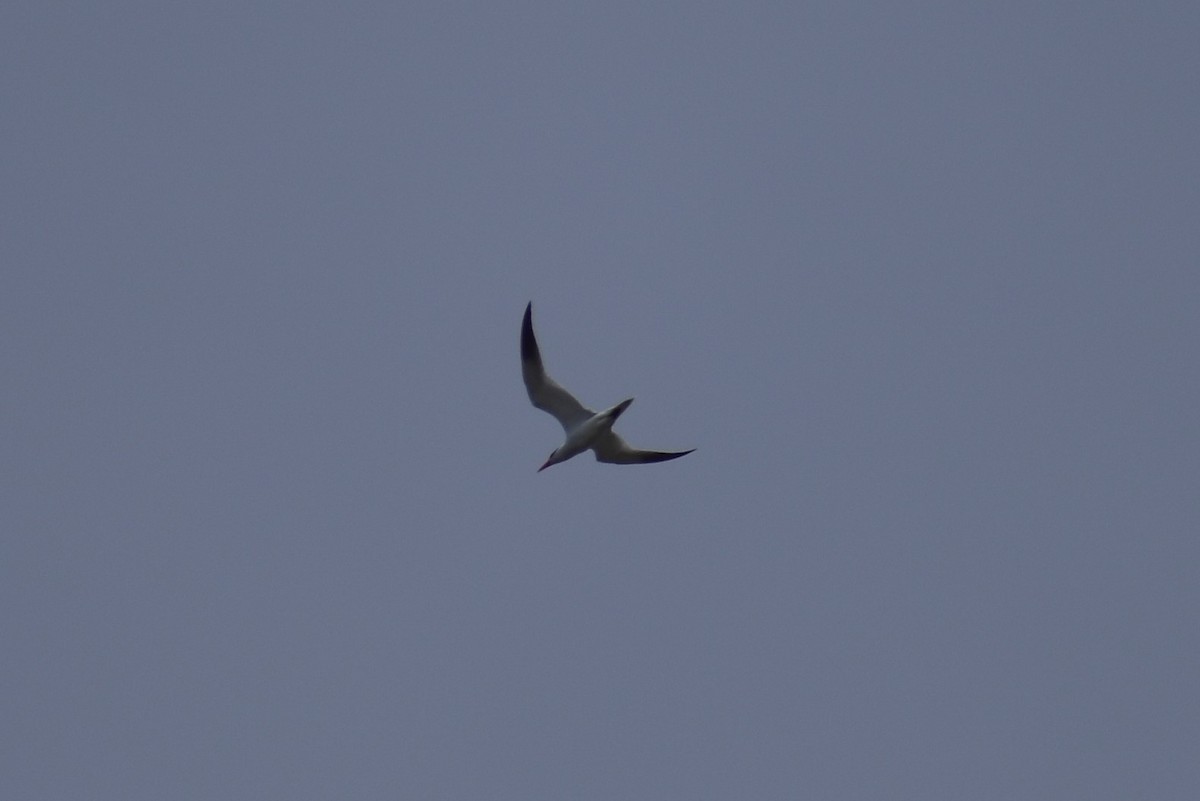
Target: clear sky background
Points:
(920, 281)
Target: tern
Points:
(584, 428)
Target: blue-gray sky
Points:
(919, 281)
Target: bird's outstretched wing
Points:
(609, 447)
(543, 391)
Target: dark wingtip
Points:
(529, 346)
(663, 456)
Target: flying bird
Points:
(584, 428)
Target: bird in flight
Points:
(584, 428)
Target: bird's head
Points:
(551, 460)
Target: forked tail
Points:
(617, 410)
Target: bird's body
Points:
(584, 428)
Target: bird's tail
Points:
(617, 410)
